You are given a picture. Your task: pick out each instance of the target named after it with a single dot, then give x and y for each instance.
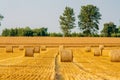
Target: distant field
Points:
(93, 41)
(46, 65)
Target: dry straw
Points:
(9, 49)
(115, 55)
(88, 49)
(101, 47)
(97, 52)
(29, 52)
(66, 55)
(21, 47)
(61, 47)
(36, 49)
(43, 48)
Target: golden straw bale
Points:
(61, 47)
(9, 49)
(115, 55)
(66, 55)
(29, 52)
(43, 48)
(21, 47)
(36, 49)
(101, 47)
(97, 52)
(88, 49)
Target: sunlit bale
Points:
(36, 49)
(115, 55)
(21, 47)
(66, 55)
(88, 49)
(61, 47)
(9, 49)
(101, 47)
(97, 52)
(29, 52)
(43, 48)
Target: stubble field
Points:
(46, 65)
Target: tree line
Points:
(27, 31)
(88, 23)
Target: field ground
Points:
(46, 65)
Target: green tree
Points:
(28, 31)
(13, 32)
(55, 34)
(25, 32)
(67, 21)
(89, 19)
(44, 31)
(20, 31)
(1, 17)
(37, 32)
(6, 32)
(109, 29)
(40, 32)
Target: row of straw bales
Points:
(21, 47)
(114, 54)
(10, 48)
(97, 52)
(66, 55)
(28, 51)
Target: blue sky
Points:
(45, 13)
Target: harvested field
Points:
(47, 65)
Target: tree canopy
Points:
(88, 23)
(1, 17)
(89, 19)
(67, 21)
(109, 29)
(27, 31)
